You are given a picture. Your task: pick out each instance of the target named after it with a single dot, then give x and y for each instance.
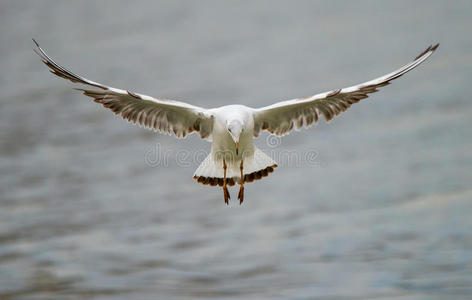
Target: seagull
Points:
(232, 128)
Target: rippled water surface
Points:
(375, 204)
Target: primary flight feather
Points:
(232, 128)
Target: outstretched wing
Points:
(281, 117)
(162, 115)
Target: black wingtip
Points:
(37, 49)
(431, 48)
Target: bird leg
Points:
(225, 189)
(241, 187)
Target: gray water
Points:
(375, 204)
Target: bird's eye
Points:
(229, 129)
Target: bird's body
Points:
(232, 128)
(221, 138)
(228, 162)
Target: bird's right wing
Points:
(167, 116)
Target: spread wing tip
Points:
(36, 43)
(431, 48)
(60, 71)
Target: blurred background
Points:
(383, 212)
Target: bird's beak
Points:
(237, 145)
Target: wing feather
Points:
(281, 117)
(167, 116)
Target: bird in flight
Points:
(231, 129)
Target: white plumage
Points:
(231, 129)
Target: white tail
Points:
(255, 167)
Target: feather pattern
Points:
(280, 118)
(230, 128)
(166, 116)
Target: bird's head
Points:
(235, 127)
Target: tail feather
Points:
(255, 167)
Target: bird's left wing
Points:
(167, 116)
(281, 117)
